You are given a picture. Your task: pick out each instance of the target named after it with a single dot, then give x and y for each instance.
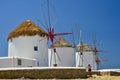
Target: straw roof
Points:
(27, 28)
(61, 42)
(85, 48)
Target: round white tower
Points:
(85, 56)
(29, 41)
(61, 54)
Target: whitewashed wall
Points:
(6, 62)
(23, 46)
(88, 58)
(64, 57)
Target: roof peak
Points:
(28, 20)
(61, 42)
(27, 28)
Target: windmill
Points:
(85, 54)
(96, 54)
(50, 31)
(65, 53)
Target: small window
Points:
(19, 62)
(35, 48)
(11, 40)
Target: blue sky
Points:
(100, 17)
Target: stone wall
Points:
(115, 74)
(95, 73)
(60, 73)
(102, 73)
(110, 73)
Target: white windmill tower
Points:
(61, 54)
(29, 41)
(85, 55)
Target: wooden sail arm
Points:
(59, 34)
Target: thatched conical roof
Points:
(27, 28)
(61, 42)
(85, 48)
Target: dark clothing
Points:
(89, 70)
